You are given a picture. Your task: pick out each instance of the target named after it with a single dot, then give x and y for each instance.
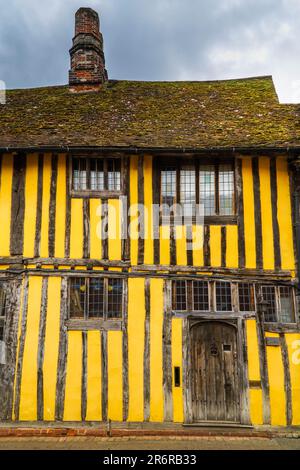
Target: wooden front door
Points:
(214, 372)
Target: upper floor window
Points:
(96, 174)
(210, 185)
(2, 311)
(226, 297)
(93, 297)
(280, 304)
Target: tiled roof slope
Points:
(230, 113)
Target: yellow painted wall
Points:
(293, 344)
(51, 347)
(276, 382)
(134, 213)
(31, 188)
(76, 236)
(94, 379)
(28, 396)
(72, 411)
(114, 229)
(95, 229)
(44, 251)
(249, 215)
(156, 372)
(136, 326)
(232, 255)
(215, 245)
(148, 198)
(256, 398)
(115, 380)
(266, 213)
(60, 218)
(284, 215)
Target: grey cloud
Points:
(157, 40)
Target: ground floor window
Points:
(227, 296)
(93, 297)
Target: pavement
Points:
(148, 443)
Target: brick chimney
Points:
(88, 71)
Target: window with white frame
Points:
(210, 185)
(96, 174)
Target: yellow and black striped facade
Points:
(123, 371)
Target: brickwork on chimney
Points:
(88, 71)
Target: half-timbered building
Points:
(184, 322)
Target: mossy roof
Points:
(230, 113)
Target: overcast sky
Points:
(156, 40)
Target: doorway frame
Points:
(237, 322)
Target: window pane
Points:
(226, 189)
(97, 174)
(77, 297)
(223, 297)
(246, 297)
(268, 293)
(188, 191)
(114, 174)
(115, 295)
(200, 291)
(96, 298)
(168, 187)
(207, 189)
(286, 313)
(79, 174)
(180, 295)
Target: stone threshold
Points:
(143, 430)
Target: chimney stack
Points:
(88, 71)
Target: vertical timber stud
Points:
(257, 209)
(18, 205)
(125, 353)
(167, 352)
(21, 348)
(84, 377)
(189, 241)
(206, 249)
(243, 367)
(52, 206)
(38, 225)
(104, 373)
(62, 353)
(147, 352)
(68, 207)
(240, 212)
(287, 379)
(11, 339)
(104, 228)
(186, 375)
(41, 350)
(263, 360)
(156, 199)
(86, 228)
(274, 196)
(223, 246)
(125, 210)
(141, 239)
